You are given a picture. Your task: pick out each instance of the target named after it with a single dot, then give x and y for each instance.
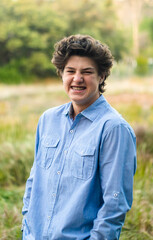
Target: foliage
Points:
(29, 30)
(16, 160)
(19, 113)
(140, 216)
(146, 28)
(6, 71)
(147, 24)
(28, 33)
(10, 213)
(142, 65)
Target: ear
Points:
(102, 78)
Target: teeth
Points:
(78, 88)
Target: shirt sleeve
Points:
(117, 165)
(27, 194)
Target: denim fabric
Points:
(81, 183)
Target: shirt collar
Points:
(92, 111)
(67, 108)
(98, 107)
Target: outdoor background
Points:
(28, 86)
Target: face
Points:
(81, 82)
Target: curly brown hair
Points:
(85, 46)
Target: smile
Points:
(78, 88)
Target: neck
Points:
(77, 109)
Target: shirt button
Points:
(65, 151)
(58, 172)
(115, 195)
(49, 217)
(71, 131)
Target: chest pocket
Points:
(47, 151)
(83, 162)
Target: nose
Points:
(78, 77)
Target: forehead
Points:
(80, 62)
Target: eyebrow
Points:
(88, 68)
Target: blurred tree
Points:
(27, 31)
(142, 66)
(30, 28)
(146, 42)
(132, 13)
(136, 7)
(96, 18)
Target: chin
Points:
(78, 100)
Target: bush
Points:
(9, 74)
(142, 67)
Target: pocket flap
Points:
(50, 141)
(84, 151)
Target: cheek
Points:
(94, 84)
(66, 83)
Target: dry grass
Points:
(20, 108)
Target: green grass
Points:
(19, 114)
(10, 212)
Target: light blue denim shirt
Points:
(81, 183)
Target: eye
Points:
(87, 72)
(70, 71)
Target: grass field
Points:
(20, 109)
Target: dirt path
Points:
(143, 99)
(128, 92)
(7, 91)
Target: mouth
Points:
(78, 88)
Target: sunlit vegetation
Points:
(20, 111)
(28, 31)
(30, 28)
